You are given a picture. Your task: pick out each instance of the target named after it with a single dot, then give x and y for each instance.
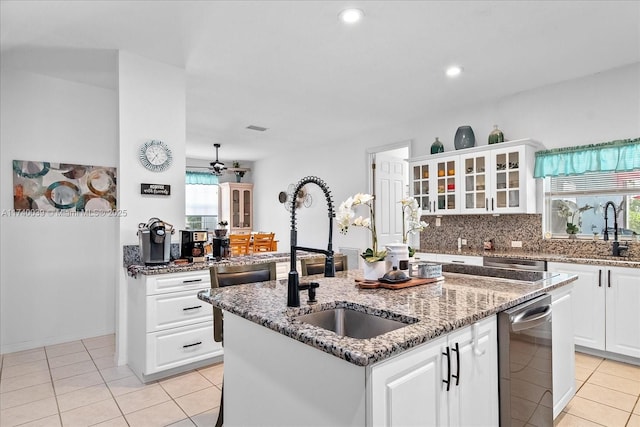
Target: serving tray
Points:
(414, 281)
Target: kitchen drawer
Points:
(173, 282)
(460, 259)
(180, 346)
(176, 309)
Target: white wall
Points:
(597, 108)
(57, 277)
(151, 105)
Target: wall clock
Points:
(155, 156)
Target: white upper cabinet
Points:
(481, 180)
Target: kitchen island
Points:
(293, 373)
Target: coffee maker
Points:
(192, 243)
(221, 247)
(155, 241)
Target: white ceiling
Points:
(292, 67)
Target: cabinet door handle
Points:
(448, 380)
(192, 281)
(457, 375)
(486, 204)
(195, 307)
(457, 261)
(599, 278)
(608, 278)
(191, 345)
(492, 208)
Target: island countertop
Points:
(436, 309)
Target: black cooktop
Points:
(502, 273)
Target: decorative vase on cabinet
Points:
(496, 135)
(464, 138)
(437, 147)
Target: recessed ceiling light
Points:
(351, 16)
(454, 71)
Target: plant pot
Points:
(374, 270)
(572, 236)
(220, 232)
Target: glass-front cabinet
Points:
(435, 184)
(235, 205)
(478, 180)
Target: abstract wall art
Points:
(47, 186)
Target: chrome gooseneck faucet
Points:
(293, 284)
(616, 248)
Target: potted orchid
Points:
(573, 215)
(346, 217)
(411, 223)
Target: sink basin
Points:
(352, 323)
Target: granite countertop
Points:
(457, 301)
(172, 267)
(541, 256)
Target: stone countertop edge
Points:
(458, 301)
(148, 270)
(540, 256)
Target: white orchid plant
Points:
(411, 223)
(346, 218)
(569, 210)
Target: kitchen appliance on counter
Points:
(525, 364)
(192, 245)
(155, 241)
(221, 248)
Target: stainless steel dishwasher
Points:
(525, 364)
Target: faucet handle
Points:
(311, 287)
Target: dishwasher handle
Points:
(532, 320)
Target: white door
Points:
(623, 311)
(391, 180)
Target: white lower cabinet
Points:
(606, 303)
(450, 381)
(169, 329)
(563, 350)
(449, 258)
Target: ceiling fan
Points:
(218, 168)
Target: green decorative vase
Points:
(437, 147)
(496, 135)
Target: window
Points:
(580, 200)
(201, 201)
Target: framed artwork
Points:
(47, 186)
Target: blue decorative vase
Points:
(464, 138)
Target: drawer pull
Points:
(195, 307)
(191, 345)
(192, 281)
(457, 261)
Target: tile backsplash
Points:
(503, 229)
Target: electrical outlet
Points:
(438, 222)
(464, 242)
(516, 243)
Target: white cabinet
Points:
(450, 381)
(169, 329)
(235, 205)
(499, 180)
(563, 351)
(487, 179)
(606, 303)
(448, 258)
(434, 184)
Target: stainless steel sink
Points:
(352, 323)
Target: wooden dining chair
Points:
(239, 244)
(315, 265)
(263, 242)
(229, 275)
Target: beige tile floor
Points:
(607, 394)
(77, 384)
